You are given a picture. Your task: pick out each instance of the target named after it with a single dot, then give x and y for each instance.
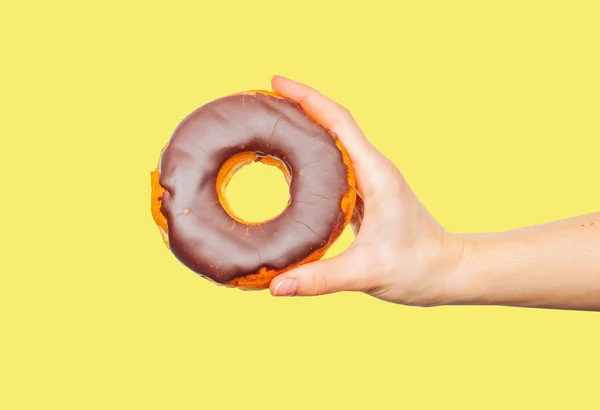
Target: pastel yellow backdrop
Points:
(489, 108)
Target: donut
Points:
(189, 205)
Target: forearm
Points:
(555, 265)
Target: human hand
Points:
(400, 253)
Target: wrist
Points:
(457, 277)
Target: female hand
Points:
(400, 253)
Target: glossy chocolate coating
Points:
(202, 235)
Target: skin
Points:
(401, 254)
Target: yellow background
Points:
(491, 110)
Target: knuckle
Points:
(319, 283)
(344, 112)
(311, 96)
(390, 179)
(341, 116)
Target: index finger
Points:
(332, 116)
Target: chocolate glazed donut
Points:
(208, 147)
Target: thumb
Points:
(341, 273)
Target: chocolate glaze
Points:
(202, 235)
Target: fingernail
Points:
(286, 287)
(283, 77)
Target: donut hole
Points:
(253, 189)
